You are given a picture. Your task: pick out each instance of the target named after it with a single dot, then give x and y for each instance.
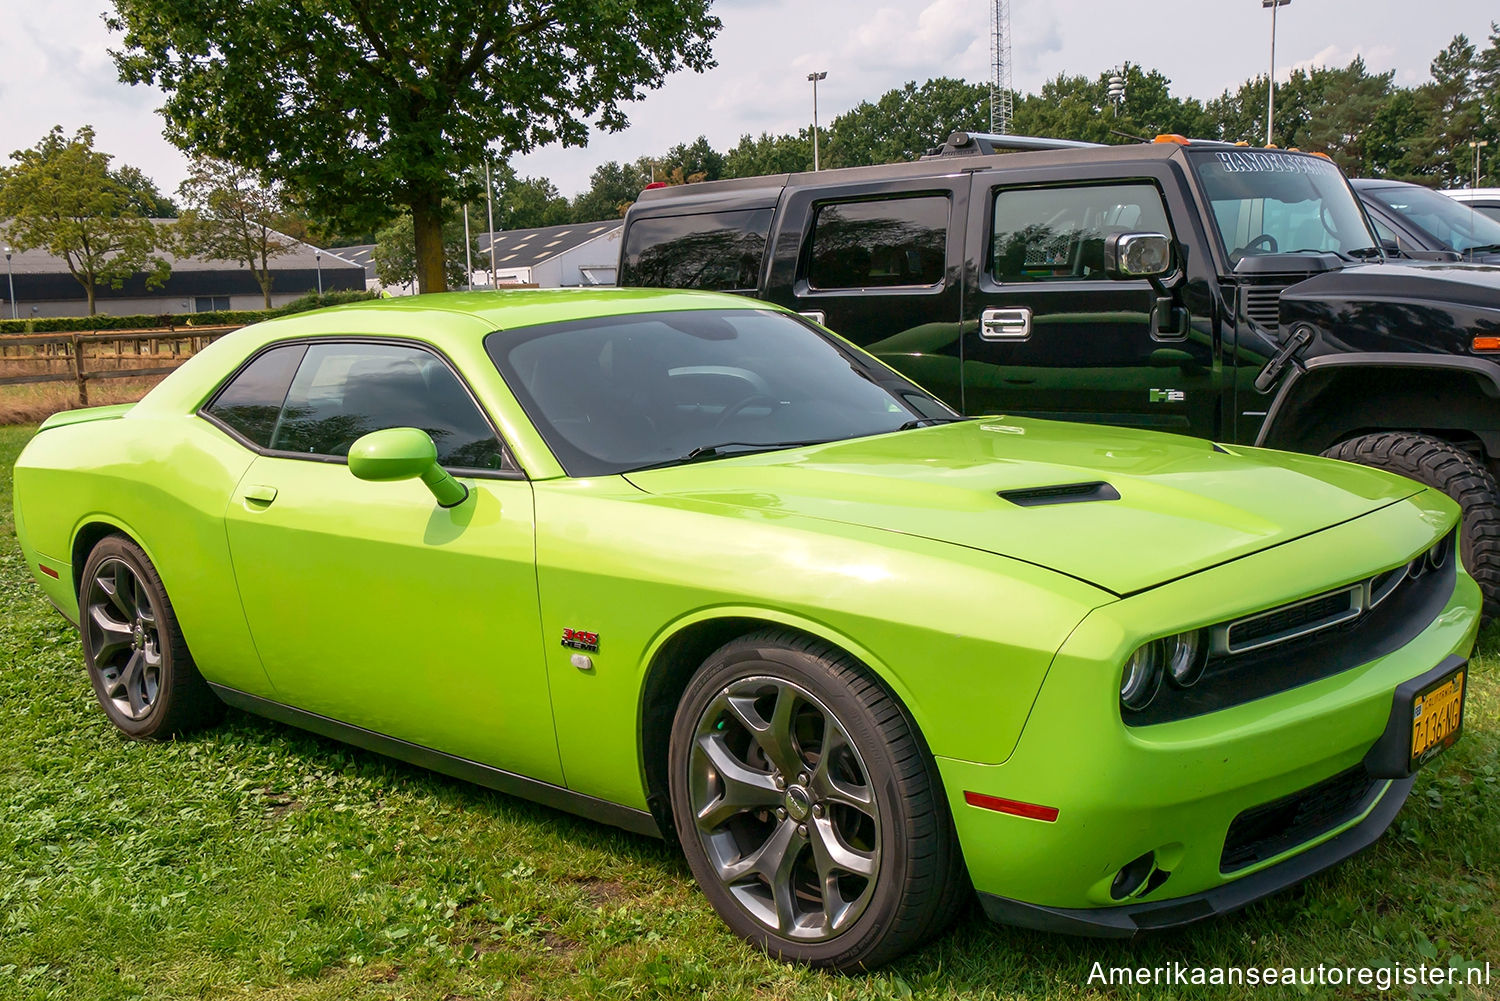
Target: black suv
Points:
(1233, 293)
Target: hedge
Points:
(216, 318)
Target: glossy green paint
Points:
(405, 454)
(1001, 628)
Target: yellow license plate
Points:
(1437, 715)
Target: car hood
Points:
(1183, 505)
(1475, 285)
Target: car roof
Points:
(514, 308)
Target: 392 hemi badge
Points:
(577, 639)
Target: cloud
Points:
(1377, 59)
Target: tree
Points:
(232, 215)
(395, 253)
(144, 197)
(1450, 108)
(369, 106)
(906, 122)
(62, 196)
(1078, 107)
(612, 188)
(527, 202)
(696, 159)
(768, 154)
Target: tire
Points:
(1446, 467)
(846, 864)
(139, 664)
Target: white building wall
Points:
(143, 306)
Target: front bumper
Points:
(1175, 789)
(1129, 920)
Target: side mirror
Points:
(1137, 255)
(405, 454)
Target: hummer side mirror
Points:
(1137, 255)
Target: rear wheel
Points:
(1446, 467)
(808, 808)
(138, 661)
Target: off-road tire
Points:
(920, 881)
(1446, 467)
(181, 700)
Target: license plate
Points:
(1437, 716)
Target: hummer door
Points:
(1048, 334)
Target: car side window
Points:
(343, 391)
(883, 243)
(250, 402)
(1048, 234)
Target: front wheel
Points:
(807, 806)
(138, 660)
(1446, 467)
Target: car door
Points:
(368, 602)
(880, 263)
(1048, 334)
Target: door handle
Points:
(258, 498)
(1005, 324)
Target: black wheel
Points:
(809, 809)
(142, 672)
(1446, 467)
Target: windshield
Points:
(1450, 223)
(622, 392)
(1266, 202)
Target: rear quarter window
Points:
(721, 251)
(887, 243)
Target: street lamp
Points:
(12, 280)
(318, 256)
(815, 77)
(1476, 146)
(1271, 80)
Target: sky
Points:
(55, 66)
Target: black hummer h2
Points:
(1020, 284)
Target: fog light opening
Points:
(1133, 876)
(1437, 556)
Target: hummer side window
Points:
(1045, 234)
(720, 251)
(879, 244)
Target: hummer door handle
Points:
(1005, 324)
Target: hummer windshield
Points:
(1273, 202)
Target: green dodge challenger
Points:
(696, 567)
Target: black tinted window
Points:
(622, 392)
(717, 250)
(879, 244)
(1048, 233)
(251, 401)
(344, 391)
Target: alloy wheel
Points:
(124, 639)
(784, 808)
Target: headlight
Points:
(1187, 655)
(1142, 676)
(1180, 658)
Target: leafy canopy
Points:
(365, 105)
(61, 196)
(232, 215)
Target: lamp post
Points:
(11, 279)
(318, 256)
(815, 77)
(489, 204)
(1271, 80)
(1476, 146)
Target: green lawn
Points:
(255, 861)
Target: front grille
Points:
(1263, 304)
(1265, 831)
(1292, 621)
(1280, 648)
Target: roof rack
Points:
(984, 143)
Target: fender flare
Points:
(1485, 373)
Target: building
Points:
(44, 286)
(569, 256)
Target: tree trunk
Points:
(263, 278)
(427, 229)
(89, 288)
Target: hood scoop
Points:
(1063, 493)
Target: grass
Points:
(258, 862)
(33, 403)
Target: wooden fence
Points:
(82, 357)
